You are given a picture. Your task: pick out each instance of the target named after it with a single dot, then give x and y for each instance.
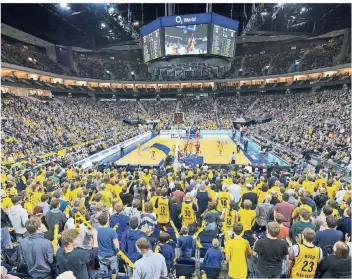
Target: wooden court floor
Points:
(208, 147)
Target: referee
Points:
(233, 158)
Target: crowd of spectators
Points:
(317, 56)
(21, 55)
(199, 113)
(253, 221)
(321, 55)
(314, 122)
(32, 128)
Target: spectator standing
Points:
(18, 217)
(327, 238)
(320, 221)
(235, 191)
(70, 259)
(250, 195)
(284, 208)
(337, 265)
(304, 222)
(264, 213)
(120, 220)
(270, 252)
(237, 250)
(151, 265)
(108, 245)
(344, 224)
(55, 216)
(129, 239)
(186, 243)
(148, 218)
(305, 256)
(202, 200)
(37, 251)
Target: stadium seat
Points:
(185, 267)
(211, 272)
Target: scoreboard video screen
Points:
(224, 41)
(151, 46)
(206, 34)
(189, 39)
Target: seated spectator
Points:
(185, 243)
(213, 257)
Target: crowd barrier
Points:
(88, 162)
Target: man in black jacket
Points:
(337, 265)
(249, 195)
(321, 199)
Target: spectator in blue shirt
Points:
(213, 256)
(326, 239)
(344, 224)
(128, 241)
(167, 249)
(119, 221)
(37, 251)
(186, 243)
(108, 245)
(45, 203)
(63, 203)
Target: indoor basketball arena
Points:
(175, 140)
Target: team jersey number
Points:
(187, 213)
(162, 210)
(223, 202)
(229, 221)
(307, 266)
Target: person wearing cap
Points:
(18, 217)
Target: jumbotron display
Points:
(197, 34)
(151, 46)
(186, 39)
(223, 41)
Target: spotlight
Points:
(136, 23)
(111, 10)
(108, 72)
(132, 73)
(303, 9)
(103, 25)
(63, 5)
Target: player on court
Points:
(190, 146)
(189, 43)
(152, 153)
(197, 147)
(197, 134)
(220, 148)
(185, 148)
(139, 148)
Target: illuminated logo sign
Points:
(179, 19)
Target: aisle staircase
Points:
(142, 107)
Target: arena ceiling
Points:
(97, 25)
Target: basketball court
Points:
(163, 147)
